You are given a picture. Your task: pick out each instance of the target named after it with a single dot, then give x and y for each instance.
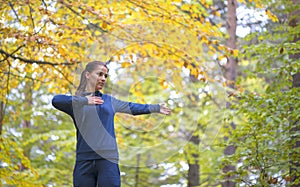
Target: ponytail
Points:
(82, 84)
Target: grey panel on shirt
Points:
(129, 107)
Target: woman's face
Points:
(97, 78)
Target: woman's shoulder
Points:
(107, 96)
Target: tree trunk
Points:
(230, 75)
(1, 116)
(231, 24)
(295, 164)
(26, 121)
(137, 171)
(194, 168)
(28, 103)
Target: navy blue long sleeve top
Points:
(95, 123)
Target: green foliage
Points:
(267, 110)
(44, 152)
(263, 137)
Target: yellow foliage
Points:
(163, 83)
(185, 7)
(272, 16)
(126, 64)
(14, 159)
(104, 25)
(194, 72)
(235, 52)
(194, 8)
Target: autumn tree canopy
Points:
(158, 51)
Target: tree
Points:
(231, 76)
(295, 165)
(49, 40)
(263, 135)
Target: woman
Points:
(93, 115)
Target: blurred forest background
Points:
(228, 69)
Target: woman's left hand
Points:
(164, 110)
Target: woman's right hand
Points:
(94, 100)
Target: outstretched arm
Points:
(66, 103)
(137, 109)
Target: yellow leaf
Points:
(104, 25)
(179, 63)
(163, 84)
(258, 5)
(131, 57)
(221, 47)
(126, 64)
(194, 8)
(204, 39)
(59, 34)
(61, 51)
(121, 16)
(194, 72)
(185, 7)
(117, 57)
(272, 16)
(235, 52)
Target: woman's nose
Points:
(102, 77)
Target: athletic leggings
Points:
(89, 173)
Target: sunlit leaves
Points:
(263, 128)
(272, 16)
(266, 111)
(16, 168)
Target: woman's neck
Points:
(89, 89)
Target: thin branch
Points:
(12, 53)
(212, 99)
(12, 7)
(261, 166)
(23, 77)
(30, 11)
(35, 61)
(44, 3)
(66, 78)
(95, 25)
(7, 86)
(159, 13)
(82, 17)
(41, 28)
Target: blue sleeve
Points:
(66, 103)
(133, 108)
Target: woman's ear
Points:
(87, 75)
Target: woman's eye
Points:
(101, 74)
